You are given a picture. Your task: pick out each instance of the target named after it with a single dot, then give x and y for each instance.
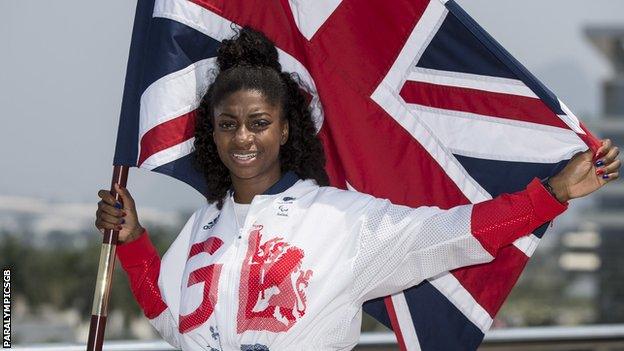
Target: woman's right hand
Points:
(111, 215)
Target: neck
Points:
(246, 189)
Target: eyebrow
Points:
(251, 115)
(258, 114)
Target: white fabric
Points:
(241, 212)
(355, 247)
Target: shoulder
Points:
(330, 199)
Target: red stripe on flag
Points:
(363, 51)
(589, 139)
(166, 135)
(394, 322)
(273, 18)
(363, 150)
(481, 102)
(484, 282)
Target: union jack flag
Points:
(414, 102)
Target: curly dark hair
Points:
(249, 61)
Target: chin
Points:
(245, 173)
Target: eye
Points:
(260, 123)
(227, 125)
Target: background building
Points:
(608, 215)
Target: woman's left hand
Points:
(585, 174)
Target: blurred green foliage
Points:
(64, 276)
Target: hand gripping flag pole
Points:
(126, 151)
(106, 268)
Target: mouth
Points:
(244, 157)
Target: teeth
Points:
(244, 157)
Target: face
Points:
(248, 132)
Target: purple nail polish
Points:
(605, 176)
(599, 163)
(123, 221)
(117, 205)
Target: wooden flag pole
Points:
(104, 281)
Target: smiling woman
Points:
(278, 260)
(254, 107)
(248, 133)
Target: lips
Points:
(244, 157)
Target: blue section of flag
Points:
(377, 309)
(159, 47)
(453, 41)
(183, 169)
(126, 149)
(430, 310)
(498, 177)
(505, 57)
(174, 46)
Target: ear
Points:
(285, 128)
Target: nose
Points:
(243, 137)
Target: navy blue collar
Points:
(288, 179)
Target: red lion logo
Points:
(272, 285)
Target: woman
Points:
(279, 260)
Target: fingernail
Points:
(117, 205)
(600, 171)
(599, 163)
(605, 176)
(123, 221)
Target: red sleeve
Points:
(141, 262)
(502, 220)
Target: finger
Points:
(112, 210)
(126, 198)
(613, 166)
(611, 155)
(106, 225)
(607, 177)
(107, 197)
(105, 217)
(606, 144)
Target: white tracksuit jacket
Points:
(295, 276)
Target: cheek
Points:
(220, 142)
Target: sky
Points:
(62, 67)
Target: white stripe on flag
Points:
(168, 155)
(174, 95)
(310, 15)
(387, 97)
(452, 289)
(219, 28)
(466, 134)
(471, 81)
(406, 324)
(196, 17)
(570, 118)
(419, 39)
(527, 244)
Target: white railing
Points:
(595, 338)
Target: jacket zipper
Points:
(235, 272)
